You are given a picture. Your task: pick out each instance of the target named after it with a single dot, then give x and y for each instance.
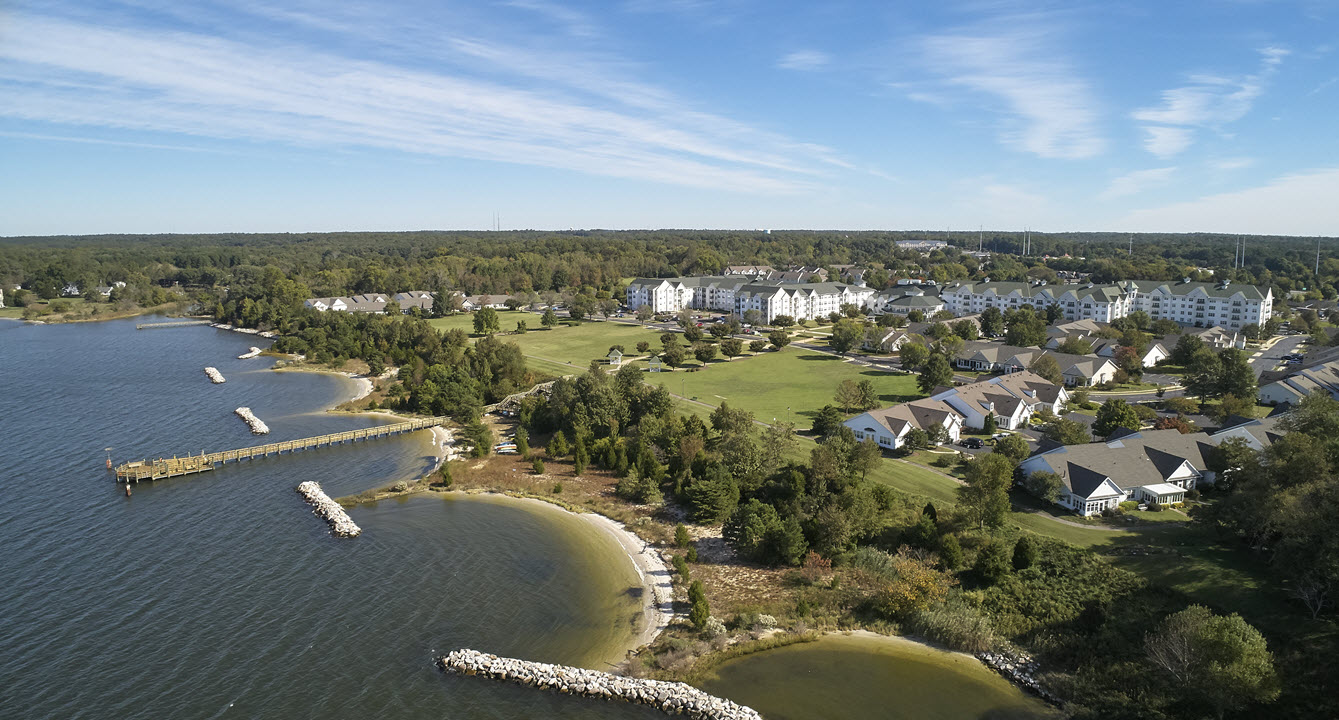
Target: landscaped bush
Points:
(956, 625)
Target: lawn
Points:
(577, 345)
(792, 383)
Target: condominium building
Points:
(739, 295)
(1189, 303)
(1201, 304)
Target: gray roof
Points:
(1217, 290)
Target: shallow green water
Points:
(850, 677)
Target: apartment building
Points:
(1201, 304)
(738, 295)
(1188, 303)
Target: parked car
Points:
(973, 443)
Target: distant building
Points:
(921, 245)
(738, 295)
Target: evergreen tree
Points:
(1025, 553)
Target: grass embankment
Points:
(80, 310)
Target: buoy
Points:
(109, 463)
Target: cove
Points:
(869, 676)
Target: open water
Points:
(220, 595)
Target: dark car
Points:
(973, 443)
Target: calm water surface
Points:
(220, 595)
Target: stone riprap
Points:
(1019, 669)
(670, 697)
(341, 525)
(257, 427)
(215, 376)
(248, 355)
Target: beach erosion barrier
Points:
(257, 427)
(215, 376)
(341, 525)
(670, 697)
(249, 354)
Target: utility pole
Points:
(1131, 252)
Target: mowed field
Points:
(770, 383)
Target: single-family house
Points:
(888, 427)
(1292, 388)
(1147, 466)
(421, 299)
(885, 340)
(1077, 370)
(1012, 399)
(477, 302)
(1153, 353)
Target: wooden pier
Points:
(204, 462)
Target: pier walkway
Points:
(204, 462)
(180, 323)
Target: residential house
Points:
(890, 426)
(1078, 370)
(1152, 355)
(1012, 399)
(884, 340)
(476, 302)
(421, 299)
(1292, 388)
(751, 270)
(1147, 466)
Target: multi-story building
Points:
(1188, 303)
(738, 295)
(1220, 304)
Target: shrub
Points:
(955, 625)
(992, 563)
(1129, 505)
(944, 461)
(950, 552)
(400, 486)
(681, 567)
(557, 488)
(681, 537)
(692, 554)
(538, 466)
(1155, 507)
(1025, 553)
(714, 627)
(445, 474)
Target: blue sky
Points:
(249, 115)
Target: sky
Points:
(317, 115)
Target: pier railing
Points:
(172, 467)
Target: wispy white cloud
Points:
(1297, 204)
(1167, 141)
(573, 22)
(1048, 108)
(75, 73)
(804, 60)
(1207, 101)
(1137, 182)
(1229, 164)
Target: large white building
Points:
(737, 295)
(1189, 303)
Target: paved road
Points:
(1270, 358)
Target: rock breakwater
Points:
(215, 376)
(248, 355)
(341, 525)
(1019, 669)
(670, 697)
(257, 427)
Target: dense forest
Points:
(524, 261)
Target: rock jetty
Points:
(1020, 669)
(215, 376)
(257, 427)
(670, 697)
(340, 523)
(248, 355)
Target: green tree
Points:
(846, 335)
(681, 537)
(1044, 484)
(549, 318)
(1219, 661)
(486, 321)
(935, 373)
(1068, 432)
(868, 395)
(557, 445)
(848, 395)
(913, 355)
(522, 440)
(966, 330)
(704, 352)
(1025, 329)
(985, 497)
(1237, 377)
(538, 466)
(993, 562)
(728, 421)
(950, 552)
(674, 355)
(1048, 368)
(732, 347)
(778, 338)
(1025, 553)
(1074, 345)
(992, 321)
(828, 421)
(635, 488)
(1014, 447)
(988, 424)
(713, 496)
(1115, 413)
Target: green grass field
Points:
(792, 382)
